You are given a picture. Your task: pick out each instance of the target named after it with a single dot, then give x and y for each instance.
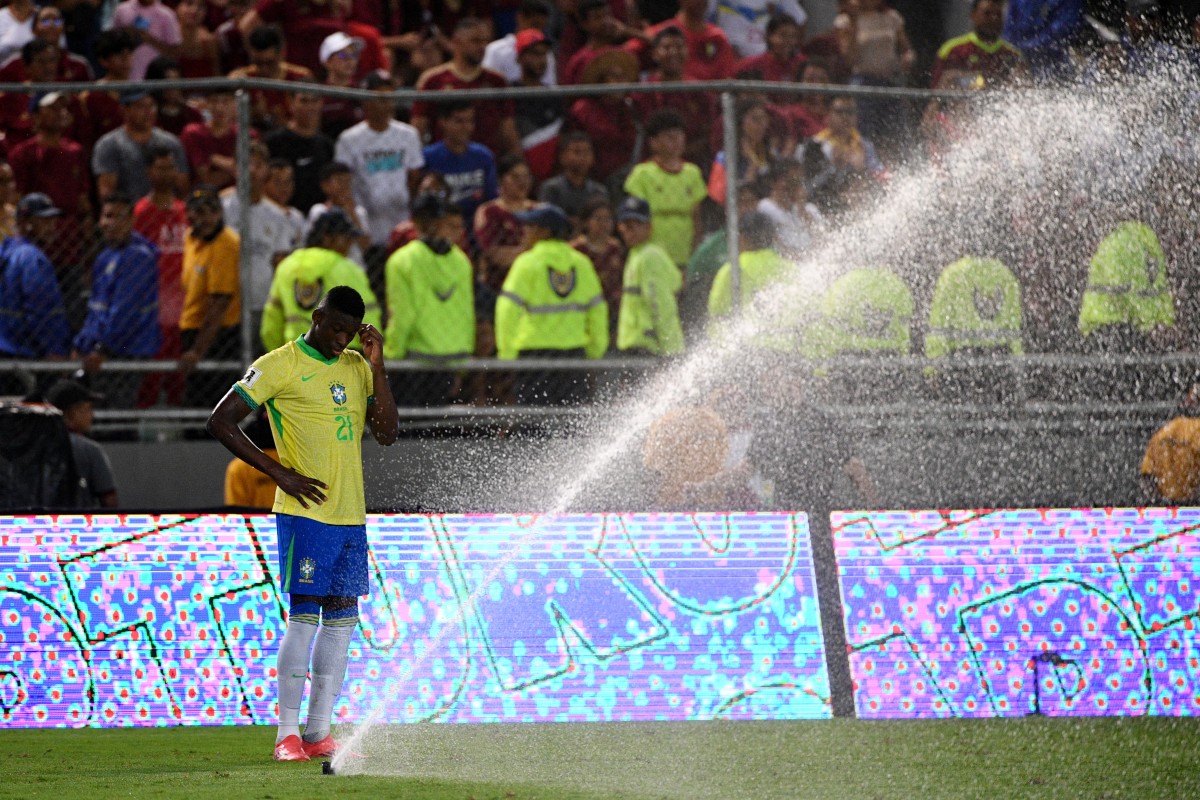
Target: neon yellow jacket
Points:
(1127, 282)
(551, 300)
(300, 282)
(976, 304)
(649, 316)
(864, 311)
(786, 328)
(431, 304)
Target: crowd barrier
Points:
(175, 619)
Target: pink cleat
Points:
(291, 749)
(322, 749)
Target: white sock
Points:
(291, 671)
(329, 659)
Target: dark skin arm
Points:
(223, 426)
(382, 415)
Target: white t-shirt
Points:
(745, 21)
(13, 34)
(272, 232)
(381, 161)
(158, 20)
(356, 253)
(793, 230)
(501, 56)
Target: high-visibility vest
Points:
(649, 315)
(431, 304)
(779, 327)
(976, 305)
(864, 311)
(551, 300)
(300, 281)
(1127, 282)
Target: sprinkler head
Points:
(327, 768)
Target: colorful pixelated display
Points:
(1010, 613)
(163, 620)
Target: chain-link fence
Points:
(157, 305)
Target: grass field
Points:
(1100, 758)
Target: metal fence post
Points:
(243, 222)
(731, 193)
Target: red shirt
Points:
(995, 61)
(710, 56)
(499, 229)
(271, 105)
(488, 115)
(70, 68)
(17, 121)
(771, 68)
(61, 172)
(698, 109)
(611, 128)
(166, 228)
(304, 24)
(200, 145)
(173, 122)
(573, 71)
(610, 266)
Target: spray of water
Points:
(1032, 178)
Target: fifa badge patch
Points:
(339, 393)
(308, 568)
(563, 283)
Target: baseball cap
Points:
(37, 204)
(528, 38)
(67, 393)
(334, 221)
(128, 98)
(633, 208)
(546, 215)
(377, 79)
(337, 42)
(45, 100)
(430, 205)
(202, 196)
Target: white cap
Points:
(336, 43)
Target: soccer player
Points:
(318, 394)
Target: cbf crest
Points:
(308, 568)
(563, 283)
(339, 393)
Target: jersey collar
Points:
(311, 351)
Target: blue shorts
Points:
(321, 559)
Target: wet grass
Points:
(1099, 758)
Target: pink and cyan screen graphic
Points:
(1010, 613)
(165, 620)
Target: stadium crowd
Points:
(533, 228)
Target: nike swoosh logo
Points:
(304, 378)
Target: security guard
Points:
(302, 278)
(649, 319)
(1127, 283)
(551, 306)
(865, 311)
(431, 302)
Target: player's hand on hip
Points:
(372, 343)
(305, 489)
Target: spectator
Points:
(231, 43)
(386, 157)
(600, 28)
(161, 218)
(539, 119)
(649, 318)
(410, 231)
(761, 269)
(697, 109)
(710, 57)
(704, 264)
(16, 27)
(610, 118)
(572, 189)
(53, 163)
(272, 235)
(748, 25)
(339, 57)
(302, 279)
(1170, 470)
(97, 486)
(18, 110)
(809, 115)
(779, 58)
(431, 305)
(211, 145)
(174, 113)
(48, 26)
(337, 185)
(9, 195)
(156, 28)
(280, 186)
(500, 56)
(269, 107)
(872, 39)
(981, 51)
(198, 54)
(122, 320)
(33, 323)
(571, 319)
(119, 158)
(305, 147)
(208, 326)
(754, 149)
(607, 254)
(498, 232)
(303, 24)
(672, 186)
(468, 167)
(495, 127)
(245, 486)
(845, 155)
(786, 203)
(103, 109)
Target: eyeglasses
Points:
(55, 22)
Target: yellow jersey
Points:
(317, 408)
(210, 266)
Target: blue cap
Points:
(37, 204)
(546, 215)
(633, 208)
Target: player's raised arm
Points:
(382, 415)
(223, 426)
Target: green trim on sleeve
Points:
(242, 393)
(276, 418)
